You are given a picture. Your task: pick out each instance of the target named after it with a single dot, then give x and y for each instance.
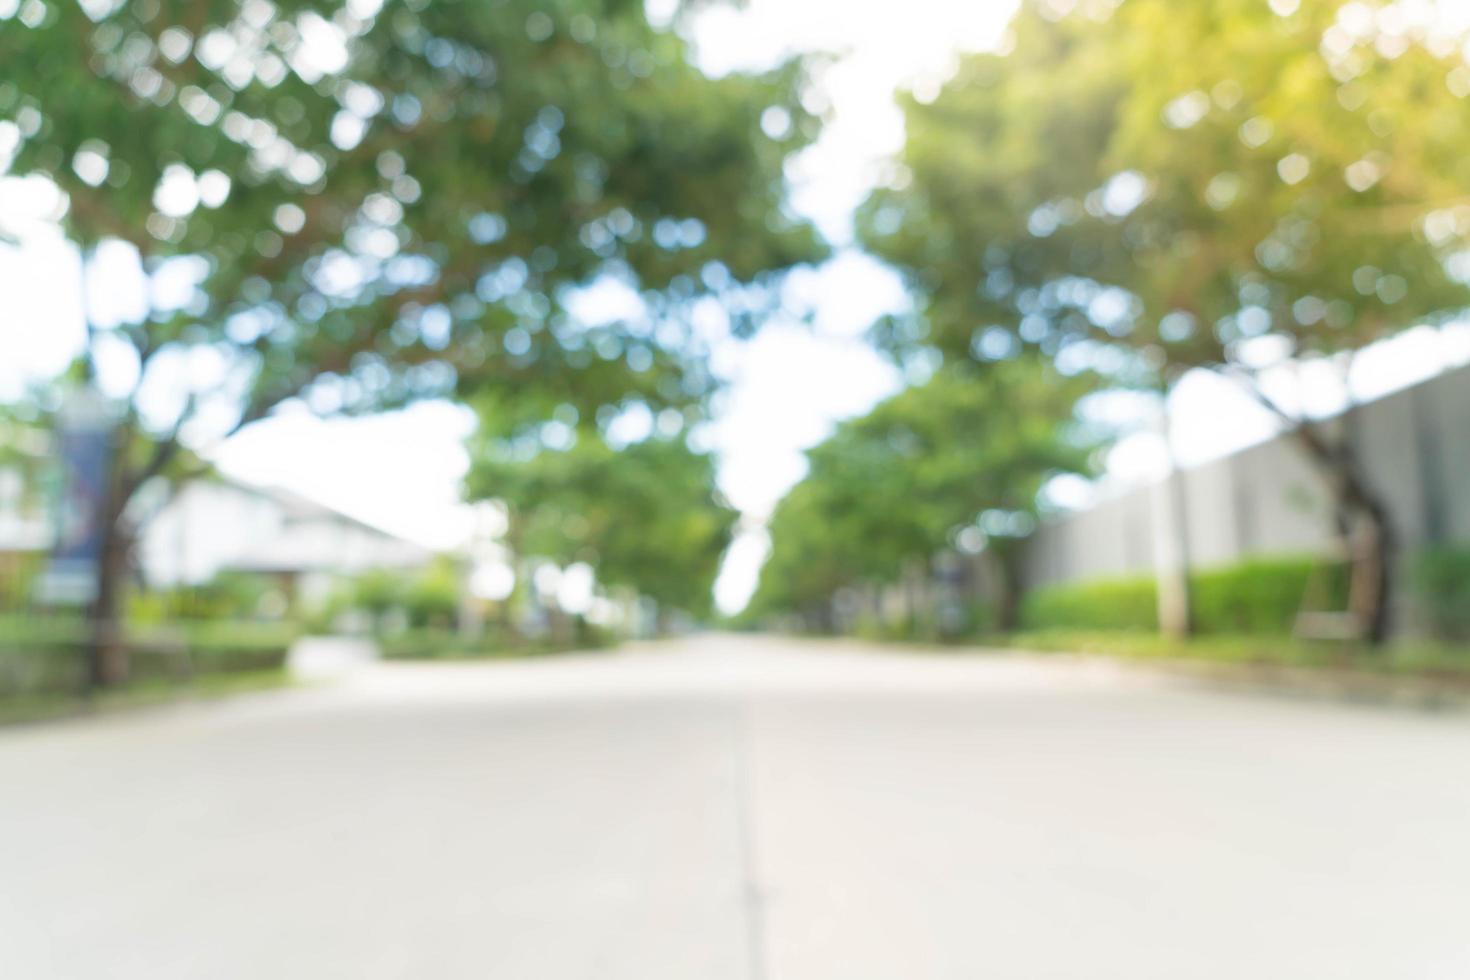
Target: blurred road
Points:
(744, 809)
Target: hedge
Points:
(495, 643)
(40, 655)
(1264, 595)
(1115, 603)
(1441, 581)
(1260, 595)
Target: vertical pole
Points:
(1171, 537)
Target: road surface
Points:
(739, 809)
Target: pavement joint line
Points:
(752, 895)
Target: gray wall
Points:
(1269, 499)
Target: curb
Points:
(1329, 684)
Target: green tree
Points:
(646, 517)
(957, 462)
(382, 200)
(1227, 185)
(810, 561)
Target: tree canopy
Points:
(957, 463)
(1297, 176)
(378, 200)
(647, 517)
(1229, 184)
(394, 196)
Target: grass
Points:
(43, 664)
(139, 694)
(1426, 660)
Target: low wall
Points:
(1269, 499)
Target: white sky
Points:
(787, 386)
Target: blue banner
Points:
(84, 454)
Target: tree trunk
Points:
(1371, 577)
(108, 655)
(911, 602)
(1368, 528)
(1364, 520)
(1007, 591)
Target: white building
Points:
(214, 526)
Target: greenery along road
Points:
(378, 203)
(724, 809)
(1224, 184)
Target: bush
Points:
(228, 596)
(1441, 578)
(48, 655)
(496, 643)
(1118, 603)
(18, 573)
(377, 592)
(1264, 595)
(393, 600)
(1260, 595)
(432, 599)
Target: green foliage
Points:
(18, 574)
(1182, 179)
(970, 448)
(1437, 662)
(1121, 603)
(228, 596)
(426, 598)
(1264, 595)
(1156, 186)
(377, 592)
(211, 648)
(46, 655)
(401, 207)
(1442, 583)
(19, 630)
(1259, 595)
(647, 517)
(492, 644)
(433, 598)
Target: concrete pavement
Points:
(750, 809)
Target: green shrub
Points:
(18, 573)
(1259, 595)
(418, 600)
(1115, 603)
(433, 598)
(229, 595)
(1264, 595)
(948, 624)
(31, 630)
(377, 592)
(496, 643)
(1441, 580)
(48, 655)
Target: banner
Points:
(84, 446)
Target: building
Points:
(216, 526)
(208, 527)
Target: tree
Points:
(810, 561)
(958, 462)
(1227, 185)
(647, 517)
(380, 201)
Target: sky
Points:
(787, 386)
